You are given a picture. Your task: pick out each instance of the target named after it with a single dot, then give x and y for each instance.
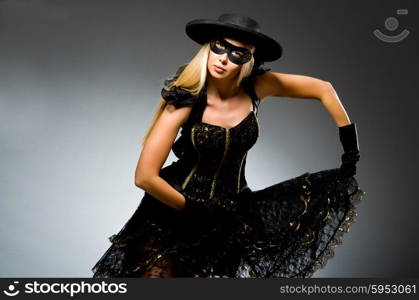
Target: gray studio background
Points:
(80, 81)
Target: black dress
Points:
(290, 230)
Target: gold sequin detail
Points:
(305, 198)
(307, 235)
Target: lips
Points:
(220, 69)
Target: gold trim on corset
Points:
(214, 180)
(185, 183)
(238, 179)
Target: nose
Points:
(223, 57)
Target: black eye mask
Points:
(236, 55)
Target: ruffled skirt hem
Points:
(291, 230)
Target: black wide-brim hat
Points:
(238, 27)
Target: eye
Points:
(237, 53)
(219, 45)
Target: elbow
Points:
(144, 182)
(141, 177)
(325, 89)
(140, 182)
(328, 87)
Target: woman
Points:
(198, 217)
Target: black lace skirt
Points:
(291, 230)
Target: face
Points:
(227, 56)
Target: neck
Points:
(223, 89)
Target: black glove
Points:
(207, 212)
(243, 198)
(349, 139)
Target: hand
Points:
(243, 198)
(201, 211)
(349, 139)
(348, 167)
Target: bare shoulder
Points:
(166, 128)
(174, 117)
(260, 84)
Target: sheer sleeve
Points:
(258, 69)
(176, 95)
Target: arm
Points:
(299, 86)
(154, 154)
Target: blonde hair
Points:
(193, 78)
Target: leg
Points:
(163, 267)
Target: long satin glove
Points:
(349, 140)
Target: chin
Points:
(217, 75)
